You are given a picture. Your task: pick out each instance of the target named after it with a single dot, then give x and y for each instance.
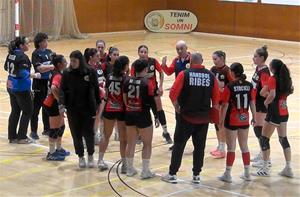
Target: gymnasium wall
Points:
(246, 19)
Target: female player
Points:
(79, 94)
(92, 58)
(222, 73)
(56, 120)
(18, 66)
(260, 80)
(114, 111)
(238, 95)
(41, 60)
(154, 66)
(279, 87)
(100, 45)
(138, 96)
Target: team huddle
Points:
(100, 92)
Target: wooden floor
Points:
(24, 171)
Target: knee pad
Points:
(264, 143)
(284, 142)
(216, 127)
(53, 133)
(61, 131)
(162, 117)
(258, 131)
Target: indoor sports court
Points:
(237, 27)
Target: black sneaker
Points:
(13, 141)
(169, 178)
(34, 136)
(45, 132)
(54, 157)
(167, 138)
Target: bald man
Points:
(180, 63)
(195, 97)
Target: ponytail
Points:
(282, 76)
(15, 44)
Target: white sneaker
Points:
(246, 177)
(287, 171)
(196, 179)
(260, 163)
(90, 162)
(102, 165)
(82, 163)
(97, 138)
(131, 172)
(123, 168)
(169, 178)
(263, 171)
(226, 177)
(147, 174)
(257, 158)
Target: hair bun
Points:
(265, 47)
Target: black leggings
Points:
(19, 101)
(81, 125)
(183, 131)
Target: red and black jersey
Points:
(139, 94)
(222, 74)
(153, 66)
(178, 65)
(196, 90)
(106, 68)
(114, 101)
(259, 80)
(55, 79)
(238, 95)
(100, 75)
(280, 100)
(103, 59)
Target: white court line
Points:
(180, 180)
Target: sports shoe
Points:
(97, 138)
(226, 177)
(263, 171)
(90, 162)
(123, 168)
(147, 174)
(54, 157)
(63, 152)
(212, 152)
(45, 132)
(219, 154)
(260, 163)
(167, 137)
(131, 172)
(34, 136)
(13, 141)
(287, 171)
(257, 158)
(169, 178)
(196, 179)
(246, 177)
(82, 163)
(25, 141)
(102, 165)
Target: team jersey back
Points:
(139, 93)
(114, 94)
(238, 94)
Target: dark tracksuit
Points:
(79, 93)
(18, 66)
(194, 89)
(40, 88)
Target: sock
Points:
(145, 163)
(288, 164)
(101, 155)
(58, 144)
(246, 158)
(123, 161)
(51, 147)
(229, 160)
(165, 129)
(266, 163)
(247, 170)
(129, 162)
(221, 146)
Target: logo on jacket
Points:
(86, 78)
(152, 68)
(188, 65)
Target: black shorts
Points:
(139, 119)
(274, 117)
(120, 116)
(260, 106)
(233, 127)
(53, 110)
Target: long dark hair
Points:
(15, 44)
(82, 64)
(139, 65)
(238, 70)
(120, 65)
(282, 76)
(56, 59)
(89, 52)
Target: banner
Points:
(171, 21)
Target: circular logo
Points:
(152, 67)
(155, 21)
(188, 65)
